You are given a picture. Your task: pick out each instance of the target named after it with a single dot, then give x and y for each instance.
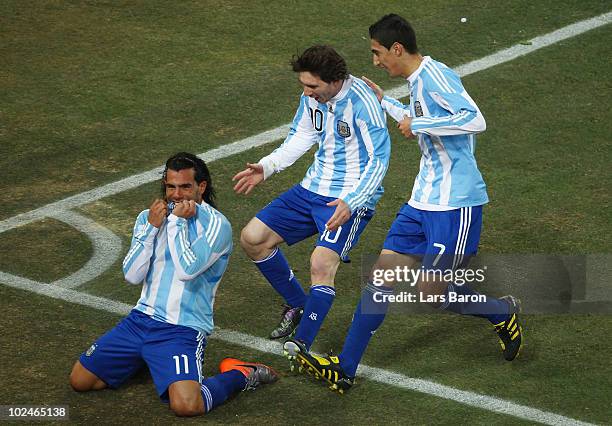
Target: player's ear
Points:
(202, 188)
(397, 48)
(163, 188)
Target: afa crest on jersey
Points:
(418, 110)
(344, 129)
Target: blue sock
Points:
(276, 270)
(317, 306)
(368, 316)
(495, 310)
(216, 389)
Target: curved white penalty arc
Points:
(106, 248)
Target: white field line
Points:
(483, 402)
(469, 398)
(281, 131)
(106, 248)
(135, 181)
(518, 50)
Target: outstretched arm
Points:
(301, 137)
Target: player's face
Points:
(181, 186)
(317, 89)
(385, 58)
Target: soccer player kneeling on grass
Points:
(179, 252)
(439, 227)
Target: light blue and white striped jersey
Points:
(354, 145)
(180, 265)
(445, 119)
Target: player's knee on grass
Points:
(186, 399)
(184, 408)
(83, 380)
(324, 263)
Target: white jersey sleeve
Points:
(395, 108)
(463, 116)
(137, 261)
(301, 137)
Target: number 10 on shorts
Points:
(326, 235)
(177, 363)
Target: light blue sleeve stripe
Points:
(447, 76)
(188, 254)
(396, 103)
(135, 264)
(436, 76)
(395, 108)
(197, 256)
(367, 187)
(456, 121)
(369, 100)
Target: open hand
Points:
(248, 178)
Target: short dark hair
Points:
(185, 160)
(393, 28)
(322, 61)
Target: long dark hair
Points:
(185, 160)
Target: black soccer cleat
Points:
(290, 319)
(510, 331)
(326, 368)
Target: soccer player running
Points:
(179, 252)
(335, 199)
(439, 227)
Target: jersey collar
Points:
(412, 77)
(343, 91)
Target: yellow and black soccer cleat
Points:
(510, 331)
(326, 368)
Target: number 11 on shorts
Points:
(177, 363)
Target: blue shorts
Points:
(443, 239)
(298, 214)
(172, 352)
